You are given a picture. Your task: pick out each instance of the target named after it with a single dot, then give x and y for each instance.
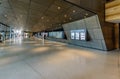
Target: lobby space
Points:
(30, 59)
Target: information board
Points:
(80, 34)
(56, 34)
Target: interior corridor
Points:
(29, 59)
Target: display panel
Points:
(77, 35)
(72, 35)
(80, 34)
(57, 34)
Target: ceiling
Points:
(39, 15)
(112, 11)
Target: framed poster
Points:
(72, 35)
(77, 35)
(80, 34)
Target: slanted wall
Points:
(94, 30)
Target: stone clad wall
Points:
(108, 29)
(94, 30)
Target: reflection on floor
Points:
(29, 59)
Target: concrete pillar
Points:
(10, 33)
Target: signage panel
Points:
(80, 34)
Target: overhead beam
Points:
(81, 7)
(4, 24)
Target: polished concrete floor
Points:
(30, 59)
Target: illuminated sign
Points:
(78, 34)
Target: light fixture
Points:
(65, 15)
(86, 14)
(70, 18)
(42, 17)
(5, 15)
(48, 20)
(58, 8)
(74, 11)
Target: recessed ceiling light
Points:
(70, 18)
(5, 15)
(74, 11)
(86, 14)
(65, 15)
(58, 8)
(42, 17)
(48, 20)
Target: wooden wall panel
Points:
(94, 31)
(112, 11)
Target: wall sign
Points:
(80, 34)
(72, 35)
